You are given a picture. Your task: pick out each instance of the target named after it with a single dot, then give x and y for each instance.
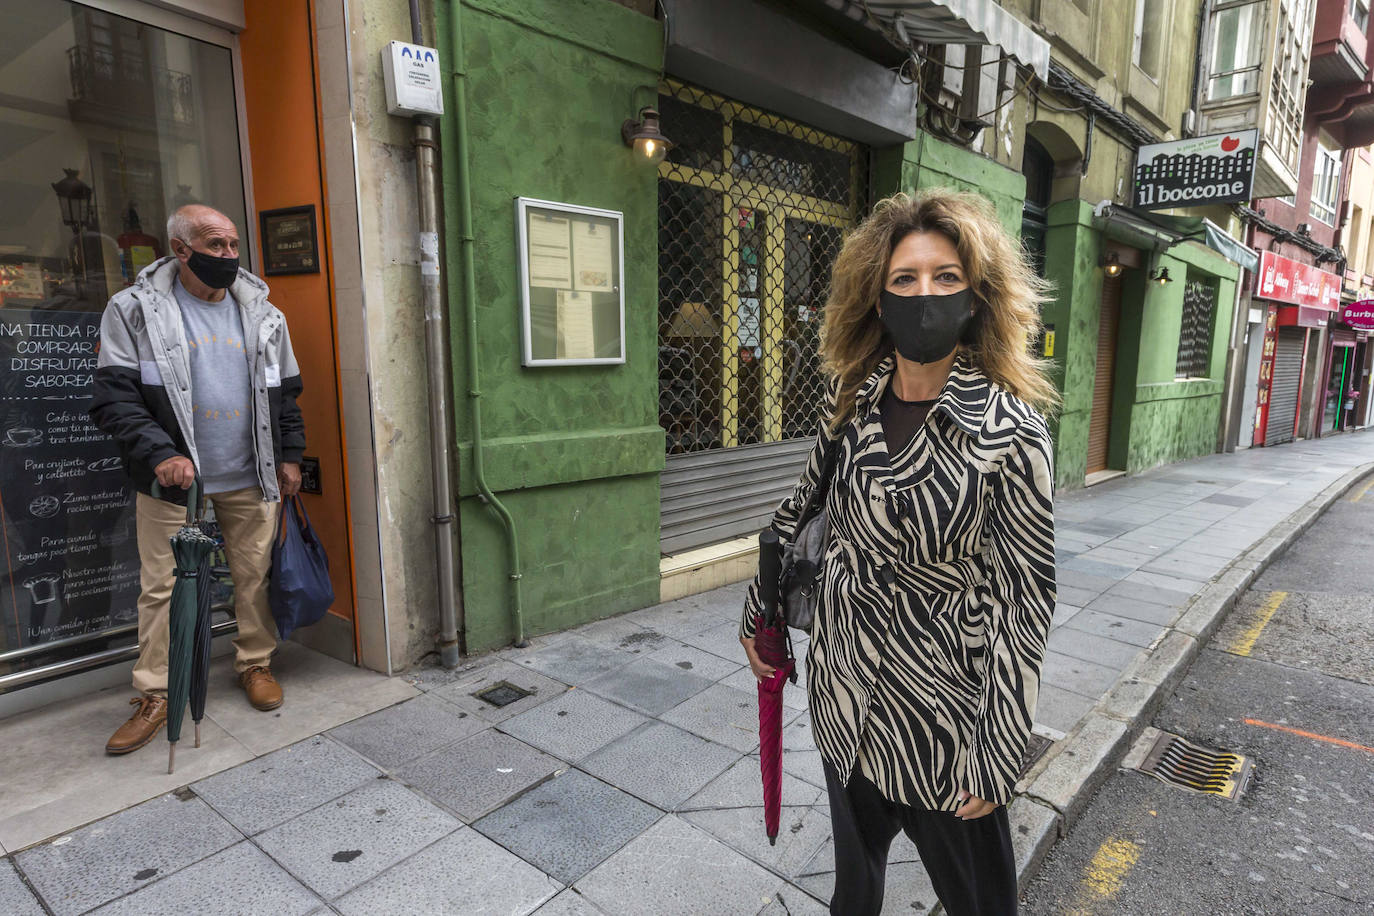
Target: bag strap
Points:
(816, 501)
(289, 507)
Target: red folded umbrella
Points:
(775, 650)
(772, 645)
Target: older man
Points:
(196, 372)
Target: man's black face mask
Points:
(216, 273)
(926, 329)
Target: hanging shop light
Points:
(644, 135)
(1111, 264)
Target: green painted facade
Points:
(1156, 418)
(928, 162)
(574, 453)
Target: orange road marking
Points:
(1313, 735)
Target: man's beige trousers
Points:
(249, 525)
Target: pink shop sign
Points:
(1359, 315)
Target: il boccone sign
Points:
(1200, 170)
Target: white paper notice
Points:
(591, 243)
(576, 329)
(550, 251)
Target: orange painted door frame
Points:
(285, 148)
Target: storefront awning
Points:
(957, 22)
(1160, 231)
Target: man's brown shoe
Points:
(142, 726)
(262, 688)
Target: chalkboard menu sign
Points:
(289, 245)
(69, 555)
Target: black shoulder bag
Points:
(800, 582)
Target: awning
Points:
(956, 22)
(1160, 231)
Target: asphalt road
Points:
(1288, 681)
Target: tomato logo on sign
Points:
(1228, 144)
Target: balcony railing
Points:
(129, 87)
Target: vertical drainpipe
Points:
(436, 364)
(464, 177)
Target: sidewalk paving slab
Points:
(346, 842)
(479, 774)
(237, 880)
(15, 897)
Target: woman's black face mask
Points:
(925, 329)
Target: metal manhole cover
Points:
(1178, 762)
(502, 694)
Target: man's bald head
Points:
(194, 221)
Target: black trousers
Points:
(970, 863)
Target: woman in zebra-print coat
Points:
(938, 581)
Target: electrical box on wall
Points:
(413, 83)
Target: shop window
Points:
(128, 121)
(751, 214)
(1237, 30)
(1195, 334)
(1326, 184)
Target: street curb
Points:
(1067, 778)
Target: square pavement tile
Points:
(573, 725)
(1091, 647)
(124, 852)
(1083, 677)
(478, 775)
(648, 686)
(675, 869)
(676, 619)
(1122, 629)
(623, 634)
(568, 903)
(799, 754)
(235, 882)
(1158, 615)
(349, 841)
(1061, 709)
(15, 897)
(573, 660)
(274, 788)
(661, 764)
(462, 692)
(393, 736)
(696, 661)
(801, 832)
(724, 715)
(722, 639)
(569, 825)
(1150, 593)
(463, 873)
(739, 787)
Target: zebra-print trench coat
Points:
(938, 593)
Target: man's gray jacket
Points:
(142, 393)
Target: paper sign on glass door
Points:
(592, 259)
(550, 252)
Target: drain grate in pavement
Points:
(1190, 766)
(1036, 746)
(502, 694)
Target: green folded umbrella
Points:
(191, 549)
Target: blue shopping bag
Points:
(300, 591)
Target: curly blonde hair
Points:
(1005, 286)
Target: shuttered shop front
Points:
(751, 213)
(1283, 391)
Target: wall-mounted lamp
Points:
(1111, 264)
(645, 136)
(1162, 276)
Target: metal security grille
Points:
(1285, 386)
(752, 209)
(1195, 336)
